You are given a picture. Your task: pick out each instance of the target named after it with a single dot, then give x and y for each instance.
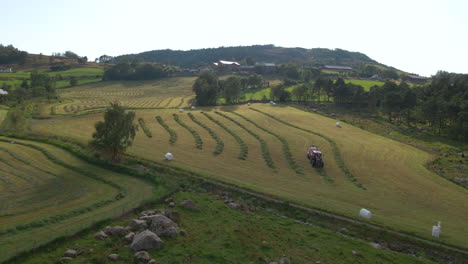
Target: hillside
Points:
(260, 53)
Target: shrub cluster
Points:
(335, 149)
(144, 127)
(265, 152)
(219, 143)
(172, 133)
(285, 145)
(244, 149)
(196, 136)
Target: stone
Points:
(284, 260)
(146, 240)
(100, 235)
(113, 257)
(375, 245)
(115, 231)
(70, 253)
(189, 204)
(152, 261)
(171, 204)
(136, 224)
(183, 232)
(274, 262)
(163, 226)
(147, 212)
(129, 237)
(174, 216)
(233, 205)
(142, 256)
(65, 259)
(355, 253)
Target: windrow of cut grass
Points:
(196, 136)
(336, 151)
(265, 152)
(172, 133)
(244, 148)
(143, 126)
(219, 143)
(285, 145)
(63, 195)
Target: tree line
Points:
(441, 105)
(12, 55)
(126, 70)
(40, 85)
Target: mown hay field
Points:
(167, 93)
(47, 193)
(265, 150)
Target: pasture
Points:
(367, 84)
(47, 193)
(168, 93)
(264, 149)
(3, 113)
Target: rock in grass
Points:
(189, 204)
(375, 245)
(136, 225)
(129, 237)
(152, 261)
(142, 256)
(70, 253)
(113, 257)
(146, 240)
(115, 231)
(163, 226)
(100, 235)
(284, 260)
(65, 259)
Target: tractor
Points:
(315, 157)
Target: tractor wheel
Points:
(314, 163)
(321, 164)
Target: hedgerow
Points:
(244, 149)
(172, 133)
(219, 143)
(144, 127)
(265, 152)
(196, 136)
(335, 149)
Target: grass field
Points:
(3, 113)
(167, 93)
(362, 170)
(367, 84)
(231, 236)
(46, 193)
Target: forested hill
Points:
(259, 53)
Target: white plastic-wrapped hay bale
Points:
(193, 107)
(169, 156)
(436, 230)
(181, 110)
(338, 124)
(364, 213)
(248, 103)
(271, 102)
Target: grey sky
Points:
(416, 36)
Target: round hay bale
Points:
(193, 107)
(364, 213)
(338, 124)
(169, 156)
(248, 103)
(181, 110)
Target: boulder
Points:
(152, 261)
(136, 224)
(284, 260)
(129, 237)
(187, 204)
(375, 245)
(233, 205)
(147, 212)
(113, 257)
(171, 204)
(115, 231)
(174, 216)
(146, 240)
(70, 253)
(163, 226)
(100, 235)
(183, 232)
(142, 256)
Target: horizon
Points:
(420, 37)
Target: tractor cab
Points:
(315, 157)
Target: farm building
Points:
(337, 68)
(415, 79)
(226, 66)
(6, 69)
(247, 69)
(265, 67)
